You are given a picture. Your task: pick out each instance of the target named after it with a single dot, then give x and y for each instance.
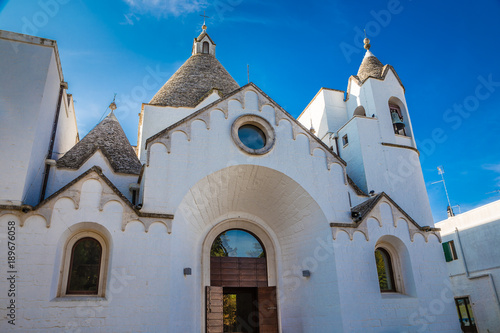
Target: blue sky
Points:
(445, 52)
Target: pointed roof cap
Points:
(370, 66)
(108, 136)
(197, 77)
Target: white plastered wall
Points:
(377, 158)
(265, 202)
(67, 131)
(138, 272)
(326, 113)
(288, 191)
(475, 235)
(59, 177)
(424, 302)
(28, 101)
(157, 118)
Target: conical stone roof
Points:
(198, 76)
(108, 136)
(370, 67)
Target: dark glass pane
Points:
(384, 270)
(252, 136)
(85, 267)
(465, 314)
(237, 243)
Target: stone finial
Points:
(367, 43)
(312, 130)
(112, 106)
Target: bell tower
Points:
(203, 44)
(377, 142)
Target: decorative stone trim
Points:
(360, 82)
(369, 209)
(400, 146)
(109, 193)
(203, 114)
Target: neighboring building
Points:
(234, 216)
(471, 246)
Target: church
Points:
(229, 215)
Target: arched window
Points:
(237, 243)
(84, 266)
(205, 48)
(385, 270)
(238, 264)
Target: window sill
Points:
(394, 295)
(79, 298)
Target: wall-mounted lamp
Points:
(187, 271)
(306, 273)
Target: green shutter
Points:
(447, 252)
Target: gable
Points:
(385, 71)
(370, 209)
(73, 191)
(203, 115)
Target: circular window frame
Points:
(260, 123)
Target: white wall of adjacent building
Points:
(476, 271)
(28, 101)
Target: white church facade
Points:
(230, 215)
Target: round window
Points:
(252, 136)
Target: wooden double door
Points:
(238, 299)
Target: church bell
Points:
(396, 121)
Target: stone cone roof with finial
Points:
(109, 137)
(370, 66)
(194, 80)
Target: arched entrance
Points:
(239, 298)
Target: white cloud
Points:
(167, 7)
(494, 168)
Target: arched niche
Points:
(395, 104)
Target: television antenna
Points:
(494, 191)
(441, 172)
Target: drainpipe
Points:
(488, 275)
(336, 137)
(63, 85)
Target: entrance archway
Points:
(239, 298)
